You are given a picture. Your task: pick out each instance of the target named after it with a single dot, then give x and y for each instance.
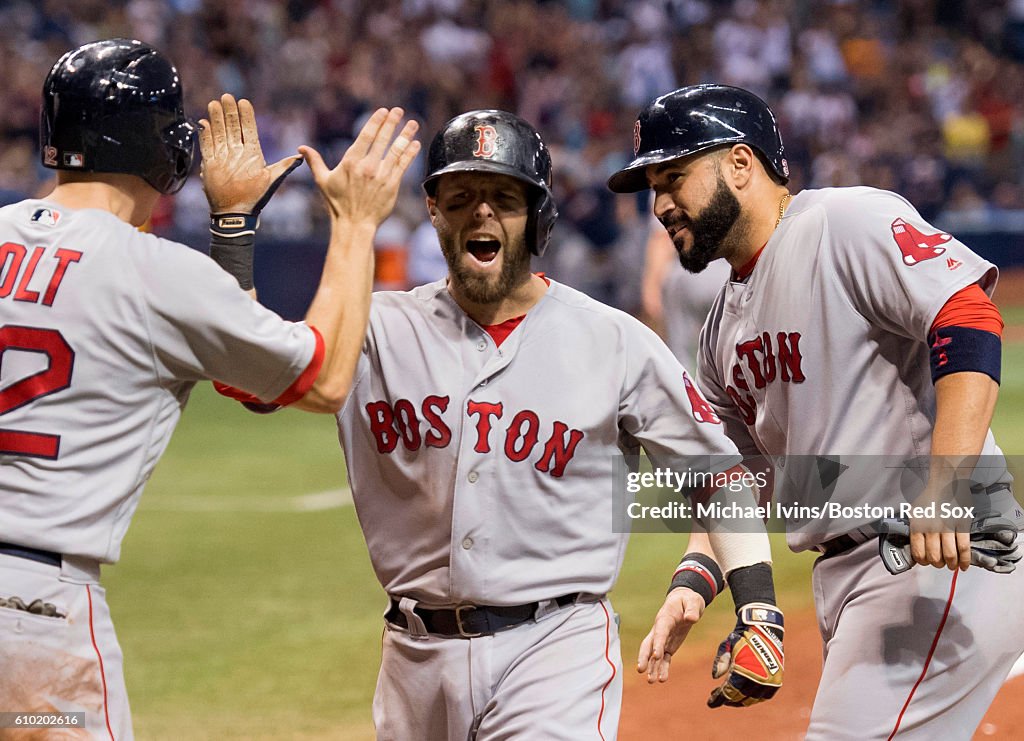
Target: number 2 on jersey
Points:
(55, 377)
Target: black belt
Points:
(470, 621)
(841, 544)
(32, 554)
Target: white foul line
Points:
(317, 501)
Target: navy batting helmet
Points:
(500, 142)
(693, 119)
(117, 106)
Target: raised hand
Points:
(363, 187)
(236, 178)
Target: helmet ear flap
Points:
(540, 223)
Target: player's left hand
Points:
(235, 176)
(750, 658)
(992, 541)
(932, 546)
(936, 541)
(682, 609)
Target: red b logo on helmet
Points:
(486, 141)
(636, 137)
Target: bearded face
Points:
(699, 240)
(480, 220)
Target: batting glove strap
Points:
(699, 573)
(232, 226)
(751, 658)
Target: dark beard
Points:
(515, 269)
(710, 228)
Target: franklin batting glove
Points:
(750, 658)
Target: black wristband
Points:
(235, 256)
(699, 573)
(752, 584)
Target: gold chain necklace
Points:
(782, 209)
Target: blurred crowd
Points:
(918, 96)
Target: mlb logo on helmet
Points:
(74, 159)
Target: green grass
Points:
(246, 624)
(266, 624)
(1012, 314)
(1008, 424)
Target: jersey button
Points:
(467, 543)
(482, 383)
(473, 476)
(481, 345)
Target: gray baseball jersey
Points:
(482, 474)
(822, 351)
(103, 332)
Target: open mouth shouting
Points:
(483, 249)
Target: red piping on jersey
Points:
(927, 661)
(103, 674)
(969, 307)
(299, 388)
(607, 647)
(304, 382)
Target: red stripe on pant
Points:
(931, 652)
(103, 674)
(607, 647)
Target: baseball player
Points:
(850, 326)
(104, 330)
(480, 434)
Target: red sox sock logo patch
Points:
(915, 245)
(486, 141)
(702, 411)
